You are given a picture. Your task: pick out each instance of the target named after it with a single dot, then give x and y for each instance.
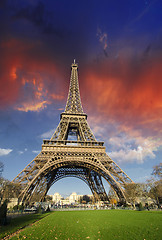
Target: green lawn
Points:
(97, 224)
(19, 222)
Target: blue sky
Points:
(119, 52)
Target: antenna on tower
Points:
(74, 61)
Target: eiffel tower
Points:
(72, 151)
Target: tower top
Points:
(74, 105)
(74, 64)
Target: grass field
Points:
(99, 224)
(19, 222)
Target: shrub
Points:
(3, 213)
(15, 208)
(140, 207)
(48, 209)
(39, 209)
(21, 207)
(112, 206)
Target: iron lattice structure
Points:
(84, 157)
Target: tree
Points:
(157, 171)
(112, 195)
(143, 190)
(113, 201)
(155, 190)
(85, 199)
(9, 189)
(155, 184)
(132, 192)
(3, 213)
(2, 187)
(1, 180)
(48, 198)
(48, 209)
(39, 209)
(140, 207)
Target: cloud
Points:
(39, 16)
(35, 151)
(36, 44)
(102, 37)
(40, 95)
(57, 97)
(4, 151)
(48, 134)
(137, 155)
(60, 109)
(102, 130)
(36, 107)
(27, 82)
(126, 91)
(35, 14)
(125, 144)
(20, 152)
(129, 149)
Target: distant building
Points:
(12, 202)
(56, 198)
(145, 200)
(73, 198)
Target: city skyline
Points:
(119, 52)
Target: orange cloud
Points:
(39, 94)
(36, 107)
(57, 97)
(126, 93)
(24, 76)
(13, 74)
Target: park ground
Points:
(96, 225)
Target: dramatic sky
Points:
(118, 46)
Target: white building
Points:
(12, 202)
(56, 198)
(73, 198)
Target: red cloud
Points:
(26, 77)
(36, 107)
(128, 93)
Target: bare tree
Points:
(132, 191)
(113, 198)
(157, 171)
(48, 198)
(9, 189)
(153, 188)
